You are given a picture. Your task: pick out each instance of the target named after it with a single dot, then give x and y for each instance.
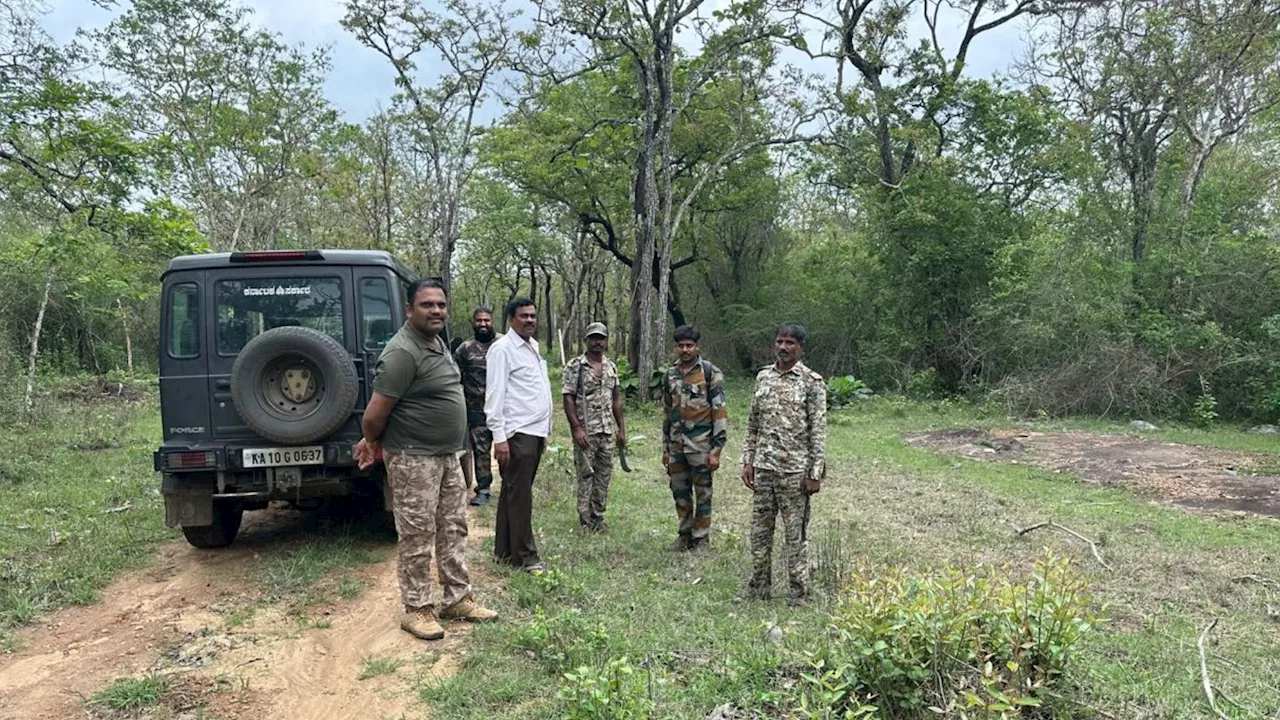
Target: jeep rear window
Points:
(184, 321)
(375, 299)
(247, 308)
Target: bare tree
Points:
(472, 43)
(1141, 71)
(736, 50)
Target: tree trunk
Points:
(128, 339)
(448, 243)
(550, 311)
(34, 353)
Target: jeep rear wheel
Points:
(294, 385)
(226, 524)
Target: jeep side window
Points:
(375, 304)
(184, 321)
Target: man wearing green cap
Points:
(593, 405)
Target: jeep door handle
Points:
(222, 385)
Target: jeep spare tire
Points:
(294, 385)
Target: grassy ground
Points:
(80, 503)
(694, 647)
(690, 646)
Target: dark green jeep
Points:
(266, 362)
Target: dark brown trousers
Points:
(513, 532)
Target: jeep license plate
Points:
(273, 457)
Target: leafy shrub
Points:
(949, 643)
(628, 383)
(846, 389)
(1205, 410)
(614, 692)
(925, 384)
(562, 641)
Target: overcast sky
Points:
(361, 81)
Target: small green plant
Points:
(954, 643)
(350, 588)
(925, 384)
(833, 561)
(562, 641)
(628, 383)
(130, 694)
(846, 390)
(372, 667)
(1205, 410)
(617, 691)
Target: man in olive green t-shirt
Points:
(418, 417)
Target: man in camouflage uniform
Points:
(694, 431)
(471, 361)
(417, 417)
(784, 461)
(593, 405)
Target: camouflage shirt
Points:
(695, 419)
(787, 429)
(471, 361)
(593, 395)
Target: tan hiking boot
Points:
(467, 609)
(422, 623)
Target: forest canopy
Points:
(1091, 229)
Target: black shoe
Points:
(481, 498)
(700, 545)
(682, 544)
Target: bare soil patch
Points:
(1187, 475)
(171, 619)
(100, 388)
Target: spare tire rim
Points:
(291, 387)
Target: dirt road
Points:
(174, 618)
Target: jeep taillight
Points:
(275, 256)
(190, 460)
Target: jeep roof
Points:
(268, 258)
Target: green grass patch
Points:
(130, 694)
(350, 588)
(81, 503)
(372, 667)
(664, 633)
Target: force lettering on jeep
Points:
(266, 364)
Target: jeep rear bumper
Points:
(190, 489)
(210, 457)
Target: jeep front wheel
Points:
(294, 385)
(226, 524)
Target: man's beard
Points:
(484, 335)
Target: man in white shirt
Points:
(517, 407)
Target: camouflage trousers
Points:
(430, 506)
(691, 489)
(595, 470)
(482, 456)
(779, 493)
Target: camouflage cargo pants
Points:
(595, 470)
(482, 456)
(429, 502)
(691, 489)
(779, 493)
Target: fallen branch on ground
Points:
(1204, 672)
(1049, 523)
(1258, 579)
